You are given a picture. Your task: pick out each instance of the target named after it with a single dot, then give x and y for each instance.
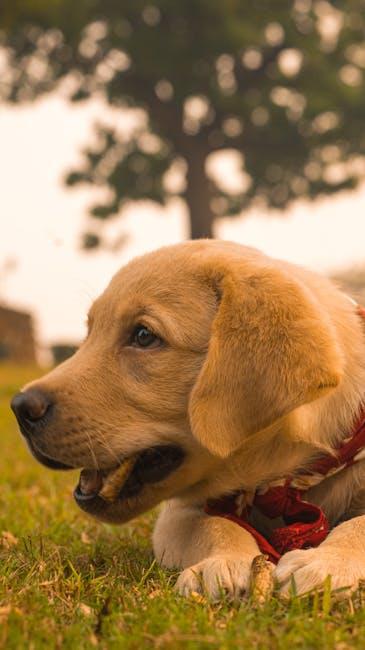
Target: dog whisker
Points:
(90, 446)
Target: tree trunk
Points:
(197, 196)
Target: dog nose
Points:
(30, 406)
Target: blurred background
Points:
(127, 125)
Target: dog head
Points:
(191, 351)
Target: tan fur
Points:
(264, 366)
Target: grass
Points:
(69, 582)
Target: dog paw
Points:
(216, 577)
(303, 571)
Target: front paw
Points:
(303, 571)
(217, 576)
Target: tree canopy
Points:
(280, 84)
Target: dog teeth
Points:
(90, 482)
(115, 480)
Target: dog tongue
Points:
(90, 482)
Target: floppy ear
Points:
(271, 350)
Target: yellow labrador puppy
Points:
(224, 382)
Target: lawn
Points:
(69, 582)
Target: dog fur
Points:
(262, 368)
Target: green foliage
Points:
(279, 82)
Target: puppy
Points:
(218, 370)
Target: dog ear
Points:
(271, 350)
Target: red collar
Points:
(306, 524)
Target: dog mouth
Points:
(109, 494)
(47, 461)
(127, 479)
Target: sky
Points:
(41, 222)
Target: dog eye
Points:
(143, 338)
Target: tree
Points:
(279, 83)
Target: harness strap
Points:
(306, 524)
(216, 507)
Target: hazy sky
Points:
(41, 222)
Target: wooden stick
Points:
(115, 480)
(261, 580)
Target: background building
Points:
(17, 342)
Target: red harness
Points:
(306, 524)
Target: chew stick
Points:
(115, 480)
(261, 580)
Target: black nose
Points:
(30, 407)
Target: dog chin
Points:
(120, 511)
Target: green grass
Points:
(69, 582)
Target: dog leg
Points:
(341, 556)
(215, 553)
